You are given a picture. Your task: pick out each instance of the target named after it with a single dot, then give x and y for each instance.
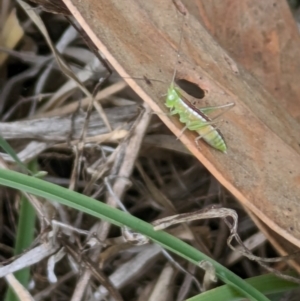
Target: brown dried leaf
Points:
(262, 165)
(263, 37)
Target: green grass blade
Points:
(119, 218)
(7, 148)
(267, 284)
(24, 238)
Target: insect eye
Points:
(190, 88)
(171, 97)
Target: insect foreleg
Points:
(182, 131)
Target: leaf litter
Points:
(82, 138)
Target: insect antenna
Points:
(178, 53)
(183, 11)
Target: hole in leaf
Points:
(190, 88)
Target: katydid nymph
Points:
(193, 118)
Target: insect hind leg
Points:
(195, 125)
(192, 126)
(226, 107)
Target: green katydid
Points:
(193, 118)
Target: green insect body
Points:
(194, 119)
